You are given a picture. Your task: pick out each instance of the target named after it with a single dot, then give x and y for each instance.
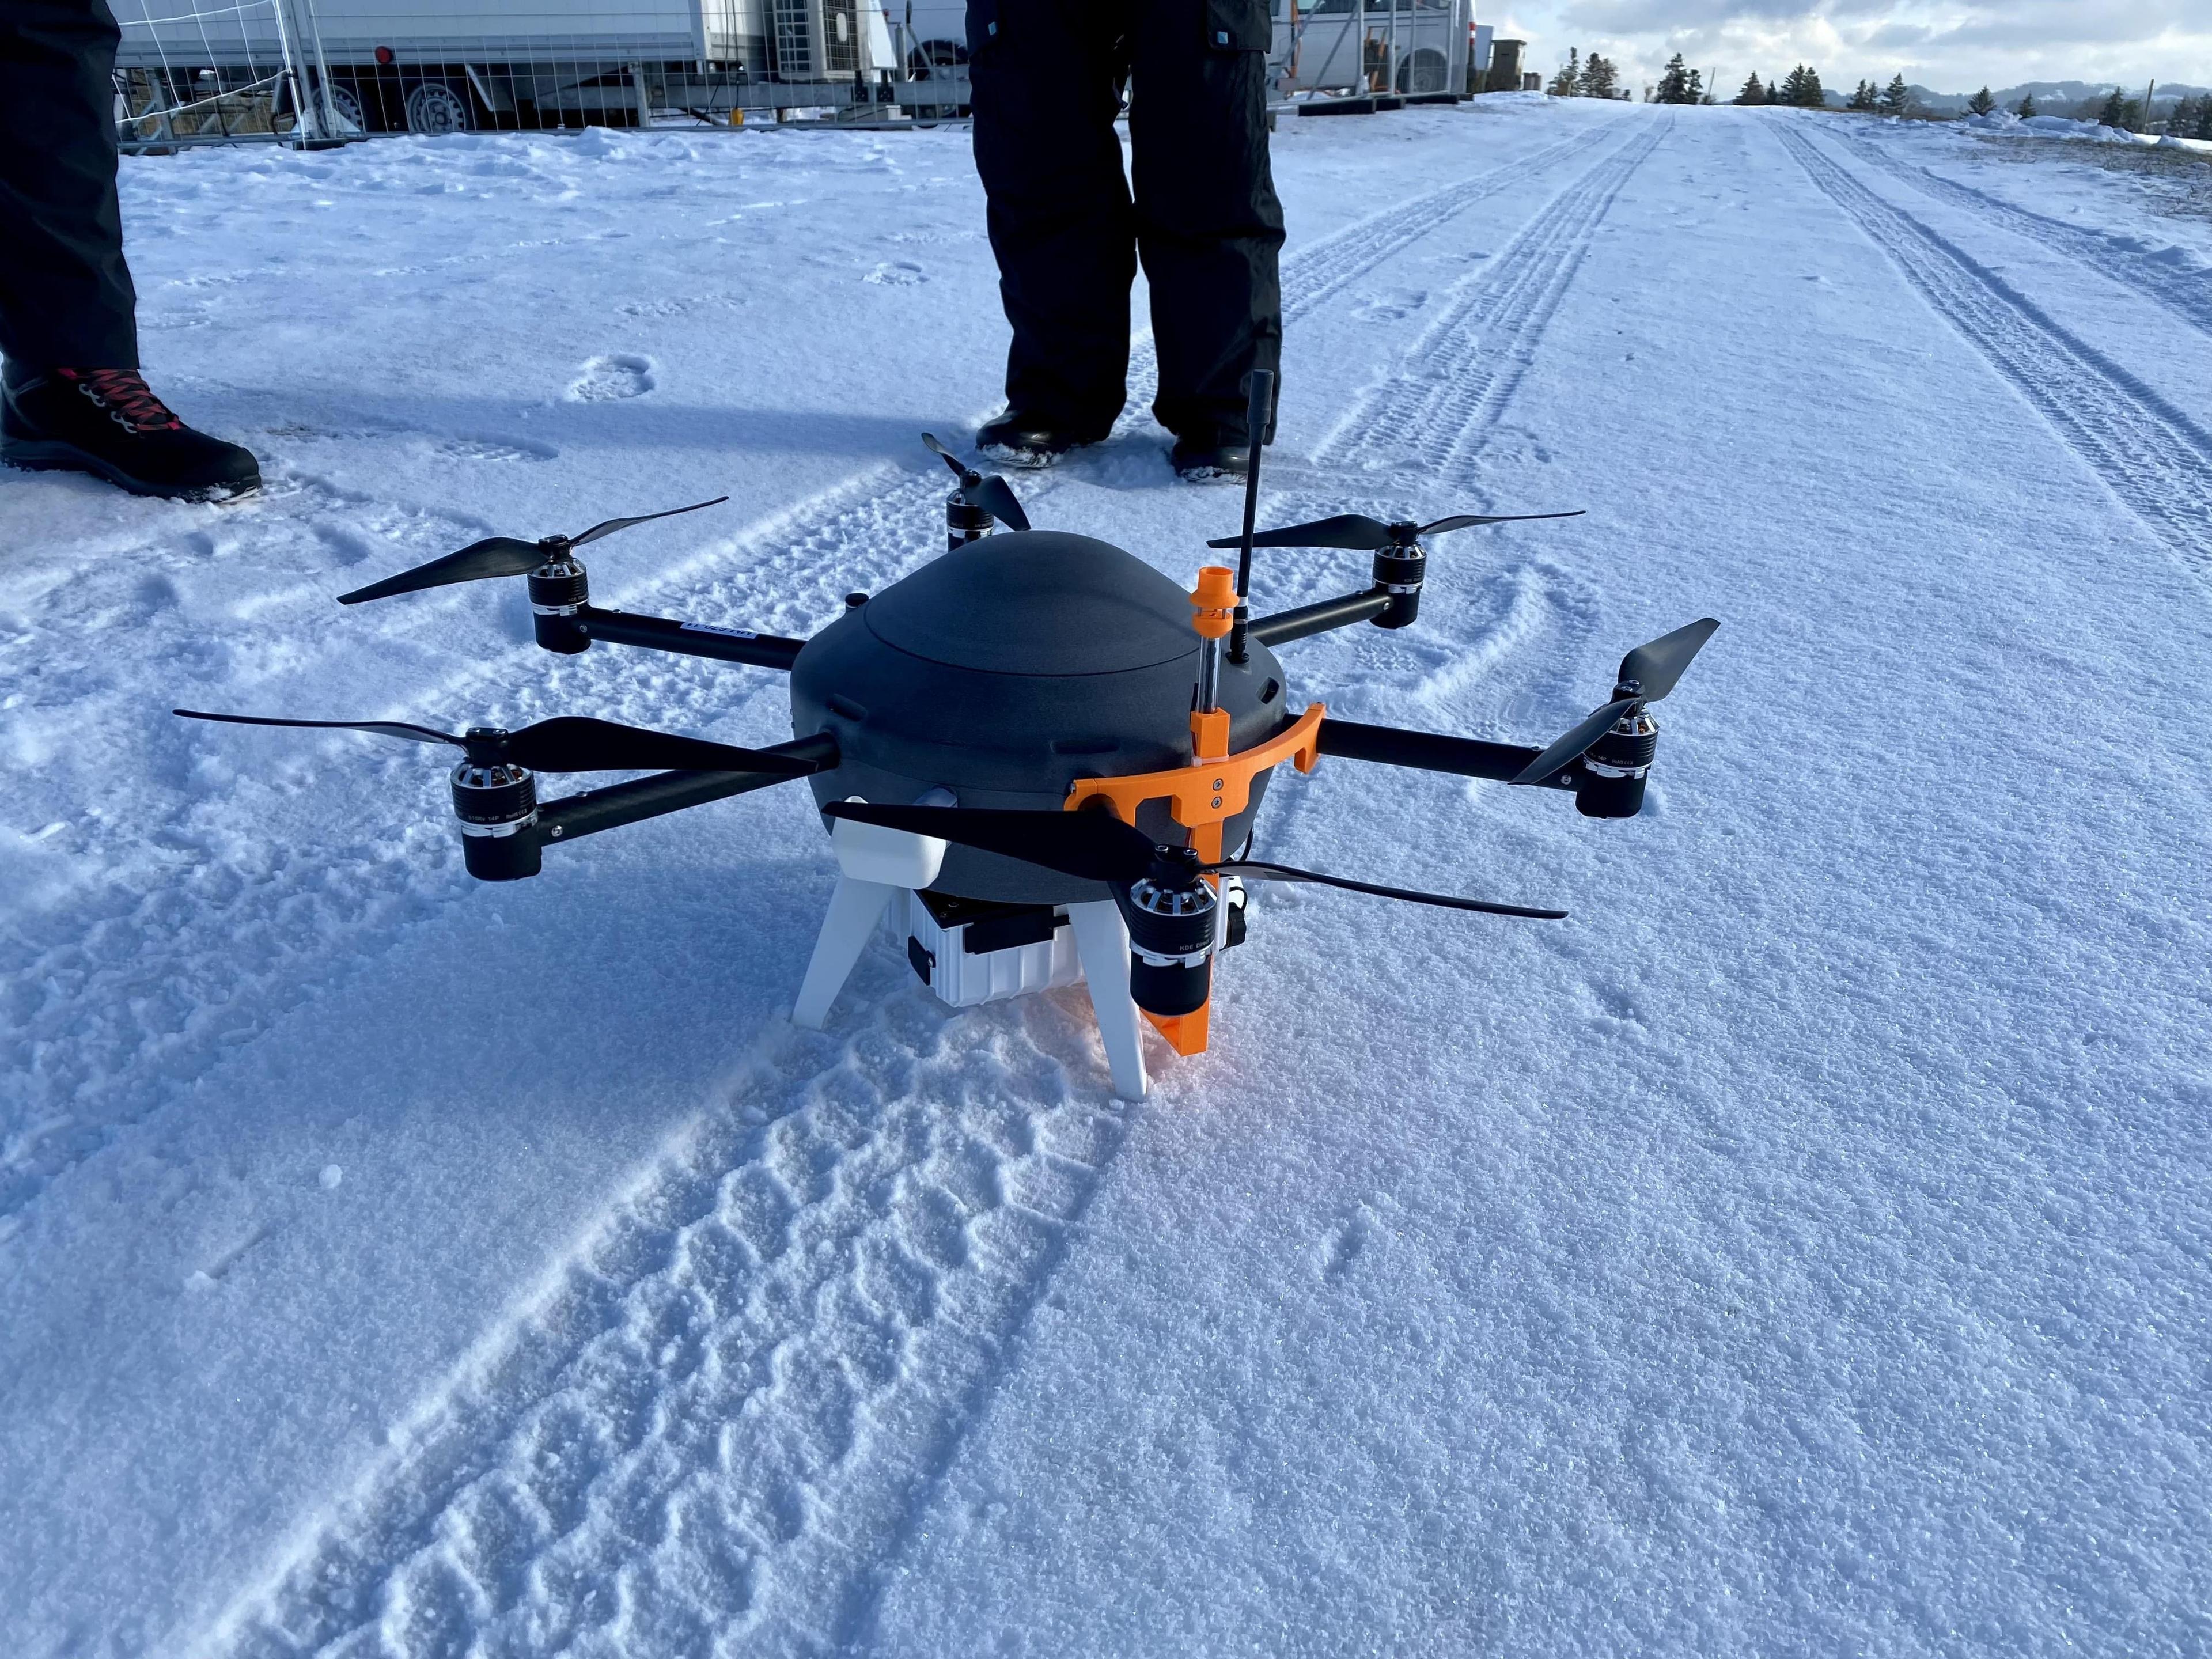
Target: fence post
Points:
(325, 129)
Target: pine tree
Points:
(2026, 108)
(1753, 92)
(1698, 94)
(2203, 118)
(1896, 97)
(1802, 87)
(1675, 83)
(1862, 96)
(1981, 103)
(2115, 110)
(1567, 84)
(1600, 77)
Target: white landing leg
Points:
(874, 864)
(855, 909)
(1102, 940)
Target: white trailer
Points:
(1408, 46)
(401, 66)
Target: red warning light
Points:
(384, 54)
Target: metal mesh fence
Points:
(366, 67)
(215, 71)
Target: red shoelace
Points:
(123, 393)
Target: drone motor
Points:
(977, 503)
(497, 800)
(1399, 570)
(559, 590)
(964, 522)
(1619, 764)
(1171, 918)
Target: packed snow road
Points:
(1804, 1248)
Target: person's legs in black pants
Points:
(1209, 227)
(65, 294)
(1046, 79)
(71, 399)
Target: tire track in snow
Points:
(2184, 291)
(99, 1028)
(1319, 271)
(1457, 378)
(1430, 418)
(1323, 269)
(145, 980)
(579, 1487)
(704, 1431)
(2150, 454)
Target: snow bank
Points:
(2056, 126)
(2095, 132)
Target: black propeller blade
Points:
(568, 743)
(1573, 746)
(1091, 846)
(1654, 669)
(1361, 534)
(1095, 846)
(1255, 870)
(501, 556)
(987, 490)
(497, 555)
(1647, 674)
(607, 527)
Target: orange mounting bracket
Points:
(1201, 797)
(1207, 795)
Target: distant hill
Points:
(2052, 97)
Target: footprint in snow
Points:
(496, 449)
(896, 273)
(612, 378)
(1345, 1244)
(1390, 307)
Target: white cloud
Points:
(1951, 47)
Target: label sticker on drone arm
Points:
(726, 633)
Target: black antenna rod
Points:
(1256, 414)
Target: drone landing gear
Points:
(1101, 939)
(878, 865)
(856, 908)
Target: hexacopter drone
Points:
(1035, 754)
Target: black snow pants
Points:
(65, 294)
(1047, 78)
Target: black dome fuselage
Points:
(1006, 670)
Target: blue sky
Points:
(1950, 47)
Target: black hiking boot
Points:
(1016, 440)
(1210, 460)
(105, 421)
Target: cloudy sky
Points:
(1948, 47)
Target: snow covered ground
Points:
(1805, 1250)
